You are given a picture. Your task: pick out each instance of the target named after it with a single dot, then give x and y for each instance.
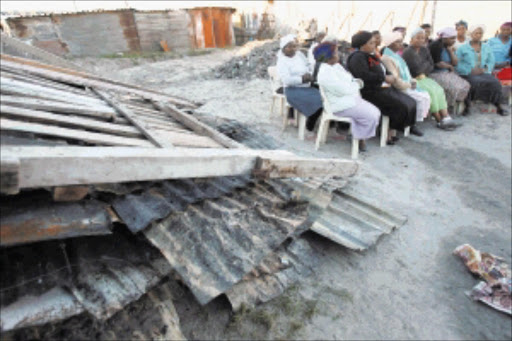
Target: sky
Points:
(329, 13)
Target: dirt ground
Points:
(454, 187)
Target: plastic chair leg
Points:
(384, 131)
(407, 131)
(302, 125)
(321, 133)
(355, 148)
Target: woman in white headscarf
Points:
(421, 65)
(476, 63)
(395, 64)
(445, 60)
(293, 70)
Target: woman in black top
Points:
(400, 108)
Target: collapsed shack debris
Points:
(217, 232)
(253, 61)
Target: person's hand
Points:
(452, 49)
(451, 68)
(390, 79)
(477, 71)
(413, 85)
(306, 78)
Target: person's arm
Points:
(490, 61)
(358, 66)
(464, 61)
(412, 62)
(453, 56)
(285, 75)
(337, 86)
(399, 83)
(429, 63)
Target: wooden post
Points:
(434, 5)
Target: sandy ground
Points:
(454, 187)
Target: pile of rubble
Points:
(251, 61)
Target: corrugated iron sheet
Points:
(278, 271)
(215, 243)
(51, 281)
(139, 210)
(25, 219)
(354, 223)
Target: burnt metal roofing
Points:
(32, 217)
(216, 242)
(53, 280)
(278, 271)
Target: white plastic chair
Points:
(298, 119)
(323, 129)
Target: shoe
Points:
(502, 111)
(446, 126)
(395, 138)
(390, 143)
(415, 131)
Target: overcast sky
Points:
(490, 13)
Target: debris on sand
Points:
(496, 291)
(252, 61)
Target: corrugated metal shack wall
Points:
(40, 32)
(213, 27)
(80, 34)
(101, 33)
(109, 32)
(174, 27)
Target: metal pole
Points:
(434, 5)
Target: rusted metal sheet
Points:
(54, 280)
(215, 243)
(213, 26)
(278, 271)
(46, 221)
(138, 211)
(172, 27)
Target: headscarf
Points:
(324, 51)
(507, 24)
(475, 27)
(330, 38)
(461, 22)
(286, 40)
(447, 32)
(361, 38)
(417, 31)
(390, 38)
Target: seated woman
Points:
(400, 108)
(501, 45)
(420, 64)
(476, 62)
(403, 81)
(293, 69)
(455, 87)
(462, 28)
(342, 92)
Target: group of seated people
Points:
(383, 76)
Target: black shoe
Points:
(502, 112)
(395, 138)
(415, 131)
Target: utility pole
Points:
(434, 5)
(425, 3)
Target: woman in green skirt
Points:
(420, 63)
